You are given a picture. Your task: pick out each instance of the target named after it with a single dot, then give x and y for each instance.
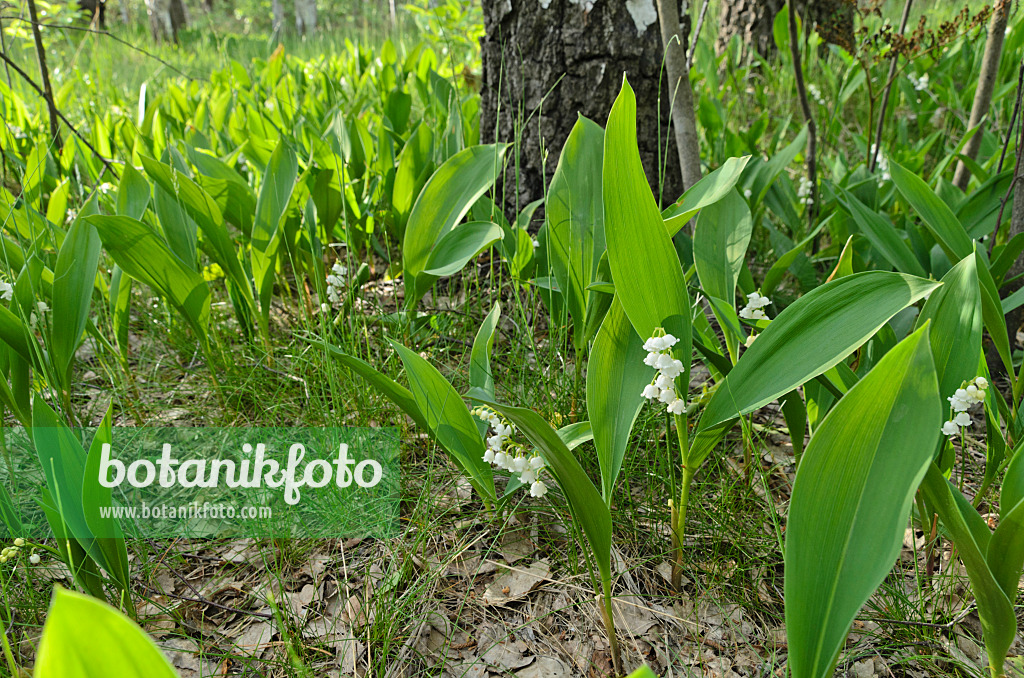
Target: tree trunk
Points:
(983, 93)
(305, 17)
(753, 20)
(166, 18)
(547, 61)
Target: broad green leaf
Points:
(851, 499)
(145, 257)
(442, 203)
(575, 219)
(208, 217)
(394, 391)
(74, 276)
(480, 358)
(132, 193)
(411, 174)
(57, 206)
(645, 268)
(616, 376)
(271, 206)
(456, 247)
(882, 235)
(954, 311)
(707, 191)
(86, 638)
(938, 218)
(120, 295)
(585, 502)
(720, 245)
(810, 336)
(110, 544)
(449, 419)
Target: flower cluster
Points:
(816, 94)
(512, 459)
(920, 84)
(12, 552)
(754, 310)
(659, 356)
(963, 400)
(6, 290)
(336, 282)
(804, 192)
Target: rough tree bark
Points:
(305, 17)
(752, 20)
(570, 55)
(983, 93)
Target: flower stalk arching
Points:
(664, 390)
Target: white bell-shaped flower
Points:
(651, 392)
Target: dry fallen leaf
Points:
(518, 582)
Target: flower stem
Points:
(679, 508)
(604, 604)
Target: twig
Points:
(204, 601)
(1013, 118)
(696, 35)
(44, 72)
(812, 131)
(1016, 166)
(27, 78)
(874, 152)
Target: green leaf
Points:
(110, 544)
(616, 377)
(851, 499)
(938, 218)
(882, 235)
(442, 203)
(810, 336)
(449, 419)
(208, 217)
(707, 191)
(132, 193)
(86, 638)
(459, 245)
(954, 311)
(645, 268)
(391, 389)
(720, 245)
(575, 220)
(145, 257)
(271, 206)
(74, 276)
(480, 357)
